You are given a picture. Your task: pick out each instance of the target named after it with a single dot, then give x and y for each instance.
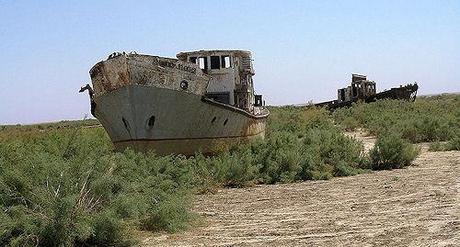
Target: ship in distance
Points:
(201, 101)
(362, 89)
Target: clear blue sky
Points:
(303, 50)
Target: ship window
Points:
(226, 121)
(215, 62)
(151, 121)
(192, 59)
(225, 61)
(184, 85)
(342, 94)
(213, 120)
(203, 62)
(258, 100)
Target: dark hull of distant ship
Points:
(408, 92)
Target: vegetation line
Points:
(93, 196)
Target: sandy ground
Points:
(416, 206)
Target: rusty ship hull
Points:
(154, 103)
(364, 90)
(407, 92)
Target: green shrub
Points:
(343, 170)
(350, 123)
(234, 169)
(171, 215)
(391, 151)
(454, 143)
(436, 146)
(89, 196)
(107, 230)
(278, 158)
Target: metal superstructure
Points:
(231, 74)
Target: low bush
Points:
(454, 143)
(350, 123)
(436, 146)
(391, 151)
(50, 196)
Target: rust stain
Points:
(123, 77)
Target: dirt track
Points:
(416, 206)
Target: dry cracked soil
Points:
(415, 206)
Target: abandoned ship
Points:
(201, 101)
(365, 90)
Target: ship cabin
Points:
(360, 88)
(231, 73)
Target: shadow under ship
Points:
(202, 101)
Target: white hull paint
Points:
(169, 121)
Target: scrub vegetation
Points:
(428, 119)
(64, 186)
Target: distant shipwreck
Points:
(364, 90)
(201, 101)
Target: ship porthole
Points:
(184, 84)
(151, 121)
(225, 122)
(213, 120)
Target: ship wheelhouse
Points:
(231, 74)
(360, 88)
